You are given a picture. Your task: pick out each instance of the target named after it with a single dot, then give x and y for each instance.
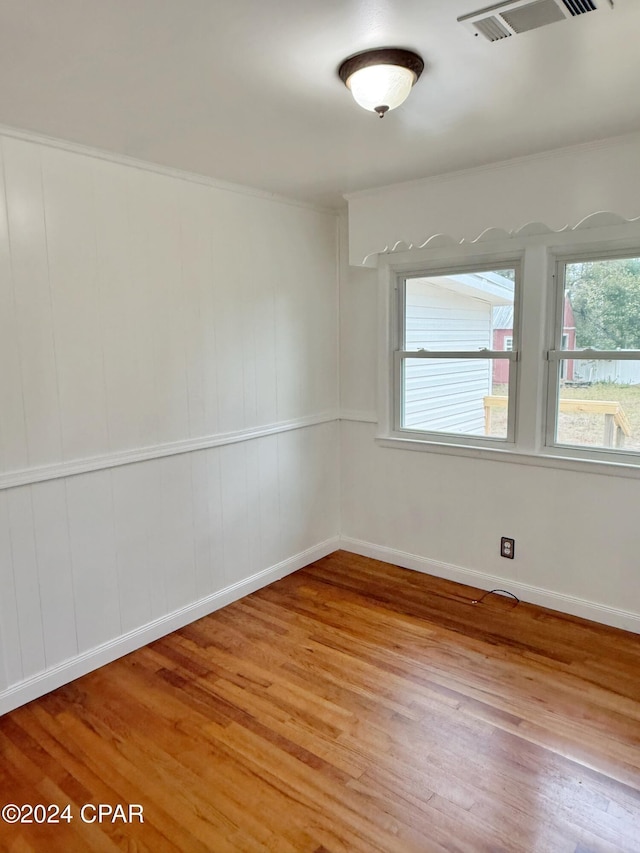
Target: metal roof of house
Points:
(503, 317)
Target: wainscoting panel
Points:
(88, 559)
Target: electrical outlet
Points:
(507, 547)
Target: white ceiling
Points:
(247, 90)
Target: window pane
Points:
(459, 311)
(461, 396)
(599, 403)
(602, 305)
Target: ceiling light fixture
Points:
(381, 79)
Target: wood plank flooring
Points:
(353, 707)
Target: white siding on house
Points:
(442, 394)
(446, 395)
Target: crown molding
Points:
(157, 168)
(498, 165)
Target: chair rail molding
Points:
(72, 467)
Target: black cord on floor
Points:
(491, 591)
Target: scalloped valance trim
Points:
(599, 219)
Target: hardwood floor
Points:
(352, 706)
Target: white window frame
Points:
(401, 355)
(556, 354)
(540, 296)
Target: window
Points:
(594, 375)
(455, 373)
(528, 347)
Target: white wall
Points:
(186, 329)
(557, 188)
(168, 433)
(576, 533)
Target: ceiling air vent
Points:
(519, 16)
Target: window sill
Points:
(548, 459)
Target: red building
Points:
(503, 340)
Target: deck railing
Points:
(616, 424)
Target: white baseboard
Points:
(44, 682)
(532, 594)
(38, 685)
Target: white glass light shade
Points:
(381, 86)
